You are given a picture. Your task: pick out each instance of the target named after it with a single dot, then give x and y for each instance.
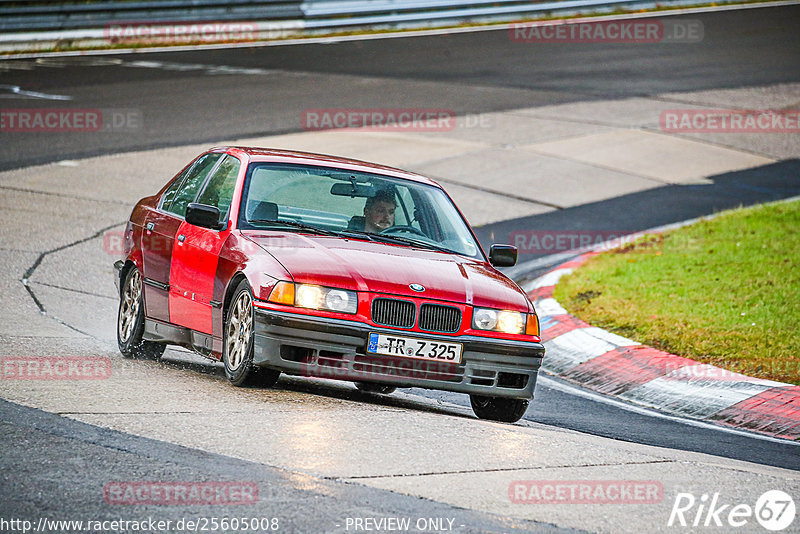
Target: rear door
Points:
(157, 239)
(196, 253)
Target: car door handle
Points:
(181, 238)
(150, 226)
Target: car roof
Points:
(272, 155)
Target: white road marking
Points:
(596, 397)
(549, 279)
(113, 62)
(17, 65)
(548, 307)
(17, 90)
(59, 63)
(693, 398)
(581, 345)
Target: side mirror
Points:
(203, 216)
(503, 255)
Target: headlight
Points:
(308, 296)
(314, 297)
(340, 300)
(510, 322)
(484, 319)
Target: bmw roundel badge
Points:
(419, 288)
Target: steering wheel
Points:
(404, 228)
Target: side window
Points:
(219, 191)
(404, 215)
(191, 184)
(169, 194)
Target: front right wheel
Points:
(498, 408)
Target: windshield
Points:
(375, 207)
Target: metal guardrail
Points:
(39, 15)
(38, 24)
(446, 10)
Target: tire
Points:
(238, 343)
(498, 408)
(130, 321)
(372, 387)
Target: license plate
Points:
(411, 347)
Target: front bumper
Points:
(333, 348)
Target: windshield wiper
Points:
(412, 242)
(294, 224)
(353, 234)
(357, 234)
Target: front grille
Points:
(438, 318)
(391, 312)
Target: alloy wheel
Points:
(240, 323)
(131, 298)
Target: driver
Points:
(379, 211)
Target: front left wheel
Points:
(130, 321)
(239, 343)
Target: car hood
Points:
(390, 269)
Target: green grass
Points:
(724, 291)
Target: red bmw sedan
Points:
(276, 261)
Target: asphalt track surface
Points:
(469, 73)
(301, 503)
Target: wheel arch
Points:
(123, 273)
(232, 285)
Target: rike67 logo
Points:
(774, 510)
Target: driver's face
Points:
(379, 216)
